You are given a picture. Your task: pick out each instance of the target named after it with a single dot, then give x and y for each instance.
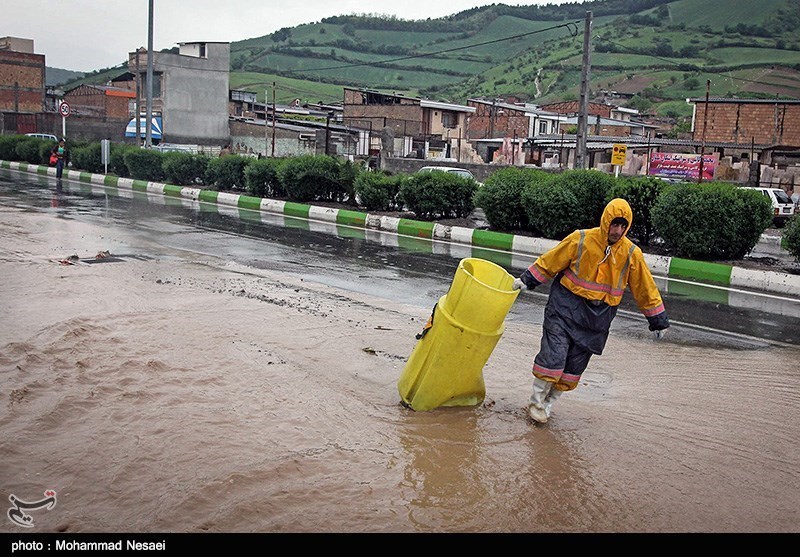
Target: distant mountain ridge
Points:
(53, 77)
(651, 54)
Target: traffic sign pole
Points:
(618, 155)
(64, 109)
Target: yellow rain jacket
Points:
(598, 273)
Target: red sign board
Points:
(683, 166)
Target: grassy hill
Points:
(660, 51)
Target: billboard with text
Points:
(682, 166)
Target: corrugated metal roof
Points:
(446, 106)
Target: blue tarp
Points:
(130, 130)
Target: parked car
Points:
(783, 207)
(47, 136)
(463, 172)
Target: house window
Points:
(202, 50)
(542, 127)
(449, 120)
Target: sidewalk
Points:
(519, 248)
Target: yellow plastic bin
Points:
(446, 365)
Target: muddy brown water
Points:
(182, 393)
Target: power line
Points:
(572, 27)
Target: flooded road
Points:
(194, 390)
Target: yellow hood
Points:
(617, 207)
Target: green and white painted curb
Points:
(508, 249)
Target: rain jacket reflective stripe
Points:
(594, 270)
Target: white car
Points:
(463, 172)
(783, 207)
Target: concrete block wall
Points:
(742, 123)
(22, 76)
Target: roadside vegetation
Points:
(709, 221)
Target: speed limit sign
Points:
(63, 108)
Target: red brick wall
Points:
(96, 102)
(405, 118)
(21, 81)
(748, 122)
(506, 121)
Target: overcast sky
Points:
(87, 35)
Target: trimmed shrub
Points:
(501, 197)
(27, 150)
(641, 193)
(791, 236)
(8, 147)
(144, 164)
(311, 177)
(438, 194)
(45, 148)
(590, 188)
(261, 178)
(348, 172)
(709, 221)
(377, 191)
(552, 210)
(87, 158)
(184, 169)
(226, 172)
(117, 163)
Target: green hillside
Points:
(660, 51)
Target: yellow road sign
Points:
(618, 153)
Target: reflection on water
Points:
(773, 317)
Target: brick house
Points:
(759, 121)
(101, 100)
(431, 129)
(22, 85)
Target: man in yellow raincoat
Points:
(591, 269)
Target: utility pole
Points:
(148, 142)
(274, 114)
(138, 114)
(266, 127)
(705, 123)
(491, 118)
(328, 131)
(580, 143)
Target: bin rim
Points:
(493, 264)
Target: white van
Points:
(782, 206)
(48, 136)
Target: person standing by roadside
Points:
(591, 269)
(61, 157)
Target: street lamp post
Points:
(148, 142)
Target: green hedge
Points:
(311, 178)
(501, 197)
(590, 188)
(553, 210)
(438, 194)
(712, 220)
(377, 191)
(184, 169)
(144, 164)
(791, 236)
(261, 178)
